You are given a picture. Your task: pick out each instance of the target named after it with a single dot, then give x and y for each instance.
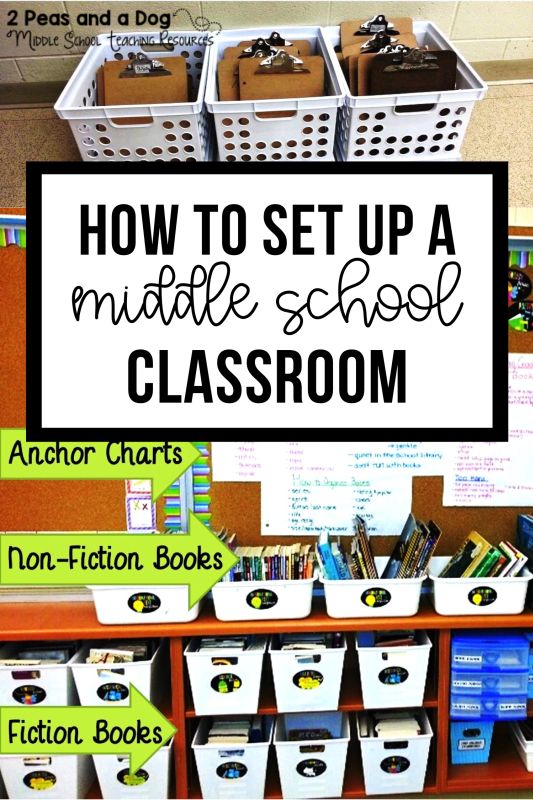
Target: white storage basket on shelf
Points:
(54, 777)
(43, 684)
(236, 771)
(120, 605)
(477, 595)
(226, 681)
(419, 126)
(277, 599)
(380, 597)
(168, 132)
(100, 685)
(245, 134)
(150, 782)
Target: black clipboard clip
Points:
(259, 49)
(377, 24)
(377, 42)
(281, 63)
(412, 60)
(141, 66)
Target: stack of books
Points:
(237, 730)
(38, 654)
(277, 562)
(121, 652)
(310, 641)
(478, 558)
(214, 644)
(389, 724)
(409, 559)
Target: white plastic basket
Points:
(172, 132)
(54, 777)
(98, 685)
(307, 680)
(150, 782)
(477, 595)
(231, 771)
(374, 127)
(395, 766)
(46, 684)
(524, 746)
(278, 599)
(117, 605)
(309, 133)
(226, 688)
(394, 677)
(313, 768)
(382, 597)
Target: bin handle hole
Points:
(104, 672)
(270, 115)
(419, 108)
(26, 674)
(395, 745)
(312, 748)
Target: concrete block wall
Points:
(42, 51)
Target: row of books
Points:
(236, 730)
(275, 562)
(400, 638)
(38, 654)
(389, 724)
(122, 652)
(310, 641)
(409, 559)
(478, 558)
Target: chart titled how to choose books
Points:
(261, 618)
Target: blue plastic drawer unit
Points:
(496, 652)
(468, 706)
(491, 683)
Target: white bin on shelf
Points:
(387, 597)
(279, 599)
(307, 680)
(43, 684)
(477, 595)
(308, 132)
(419, 126)
(122, 605)
(163, 132)
(394, 677)
(226, 681)
(54, 777)
(393, 766)
(231, 771)
(110, 685)
(524, 746)
(150, 782)
(313, 768)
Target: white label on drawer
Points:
(466, 684)
(512, 706)
(471, 744)
(468, 659)
(465, 706)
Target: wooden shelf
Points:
(50, 621)
(504, 769)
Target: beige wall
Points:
(490, 30)
(522, 217)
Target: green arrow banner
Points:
(137, 730)
(161, 462)
(197, 559)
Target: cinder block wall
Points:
(41, 51)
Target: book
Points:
(394, 563)
(466, 557)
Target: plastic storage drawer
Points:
(411, 126)
(313, 768)
(505, 653)
(226, 681)
(396, 766)
(480, 683)
(236, 771)
(387, 597)
(43, 684)
(470, 742)
(477, 595)
(150, 782)
(278, 599)
(100, 685)
(162, 132)
(305, 128)
(490, 707)
(307, 680)
(393, 677)
(54, 777)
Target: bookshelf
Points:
(504, 770)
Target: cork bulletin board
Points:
(99, 505)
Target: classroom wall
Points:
(492, 30)
(99, 505)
